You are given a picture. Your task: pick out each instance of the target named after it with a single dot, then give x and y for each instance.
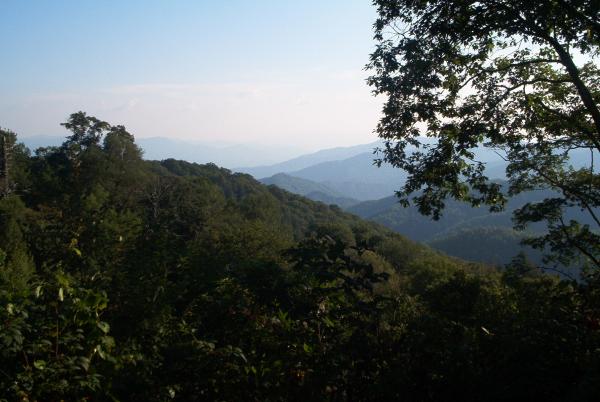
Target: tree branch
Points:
(582, 89)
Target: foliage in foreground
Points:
(518, 78)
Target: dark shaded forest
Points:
(133, 280)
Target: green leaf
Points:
(104, 327)
(100, 352)
(328, 322)
(39, 364)
(84, 362)
(61, 295)
(62, 279)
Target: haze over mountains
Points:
(348, 178)
(347, 172)
(308, 160)
(310, 189)
(355, 184)
(220, 153)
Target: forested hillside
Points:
(490, 236)
(310, 189)
(124, 279)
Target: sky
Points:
(273, 72)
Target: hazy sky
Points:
(278, 71)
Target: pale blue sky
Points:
(285, 72)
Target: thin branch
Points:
(563, 228)
(582, 89)
(559, 271)
(569, 192)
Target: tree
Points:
(7, 143)
(13, 158)
(86, 130)
(518, 77)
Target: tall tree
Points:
(14, 164)
(516, 76)
(8, 141)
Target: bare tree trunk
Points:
(6, 149)
(4, 165)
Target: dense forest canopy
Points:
(125, 279)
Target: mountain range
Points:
(220, 153)
(348, 178)
(351, 172)
(356, 185)
(310, 189)
(308, 160)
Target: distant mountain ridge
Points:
(490, 236)
(308, 160)
(356, 177)
(310, 189)
(226, 155)
(220, 153)
(351, 171)
(298, 185)
(38, 141)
